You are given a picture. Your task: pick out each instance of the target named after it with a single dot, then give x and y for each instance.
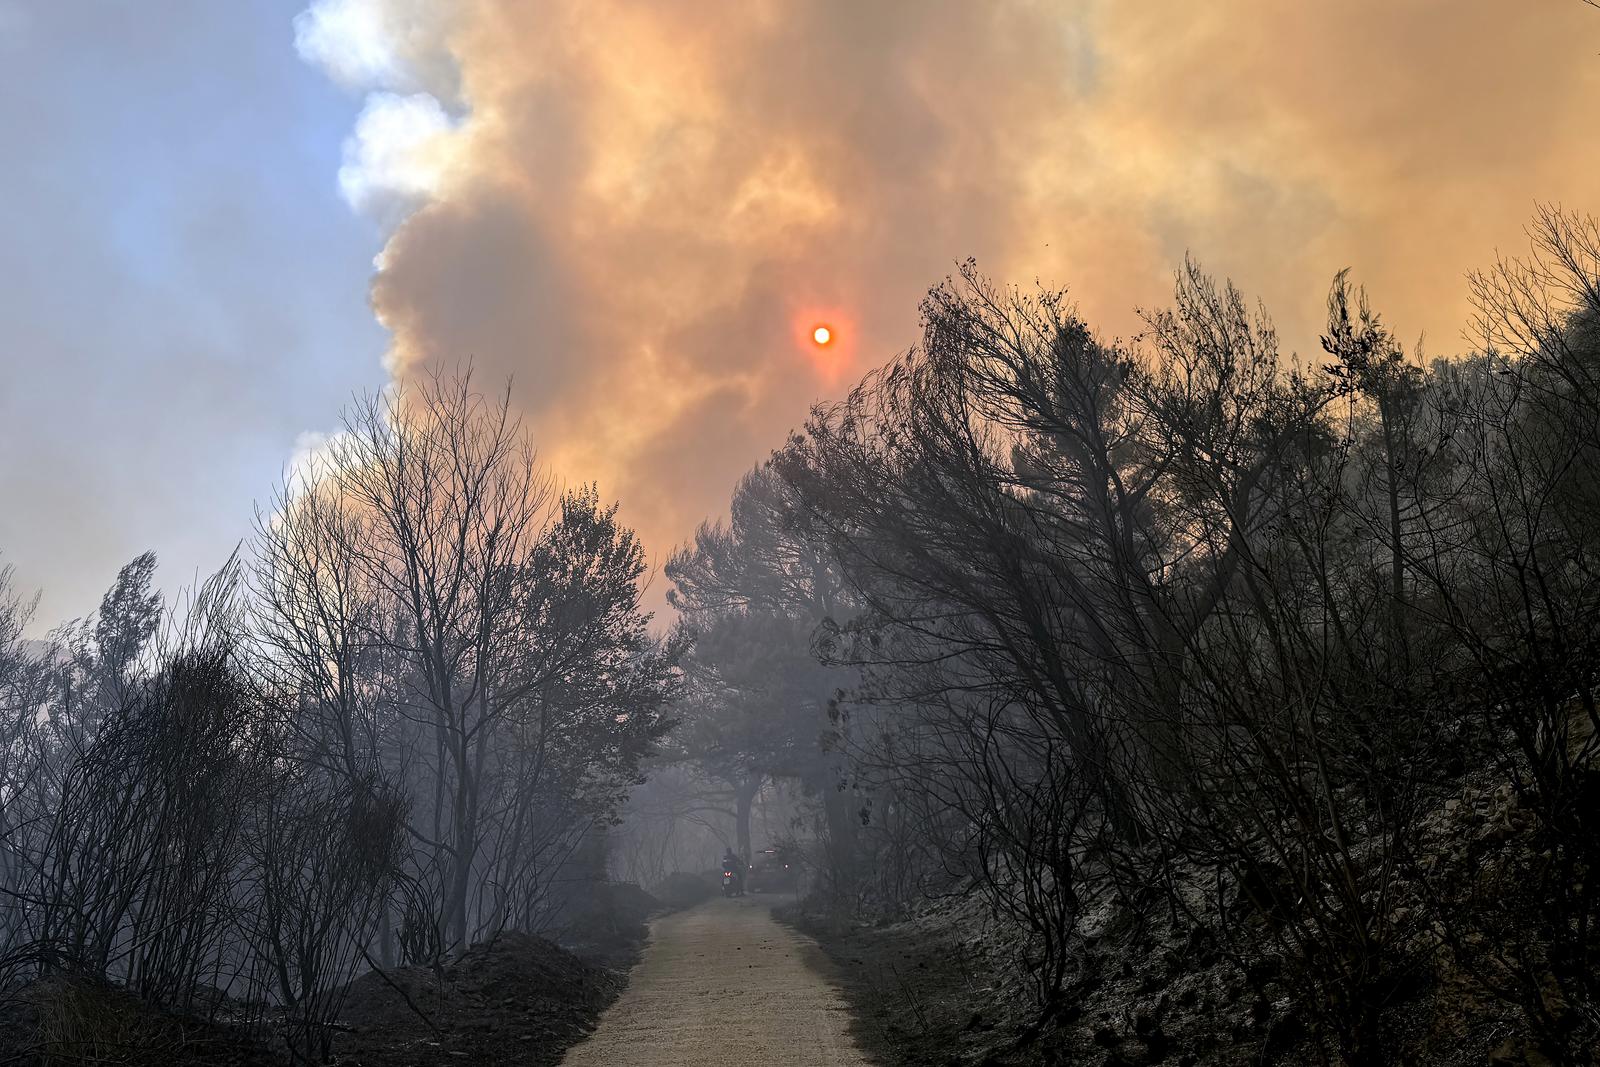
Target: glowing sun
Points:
(822, 335)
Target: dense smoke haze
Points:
(639, 211)
(812, 533)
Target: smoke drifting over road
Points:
(641, 210)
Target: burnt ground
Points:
(943, 988)
(937, 989)
(926, 992)
(519, 999)
(69, 1020)
(924, 995)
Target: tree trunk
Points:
(744, 796)
(386, 938)
(841, 821)
(1397, 573)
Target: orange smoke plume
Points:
(642, 210)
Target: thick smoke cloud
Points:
(639, 209)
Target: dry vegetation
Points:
(1202, 673)
(400, 731)
(1163, 702)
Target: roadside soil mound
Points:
(69, 1020)
(517, 999)
(613, 925)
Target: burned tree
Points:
(451, 626)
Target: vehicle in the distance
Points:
(773, 871)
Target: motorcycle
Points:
(731, 884)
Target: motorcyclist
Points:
(730, 862)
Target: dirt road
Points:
(724, 983)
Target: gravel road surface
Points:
(723, 983)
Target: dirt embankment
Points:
(944, 989)
(517, 999)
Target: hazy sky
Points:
(639, 210)
(183, 292)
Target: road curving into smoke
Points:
(724, 983)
